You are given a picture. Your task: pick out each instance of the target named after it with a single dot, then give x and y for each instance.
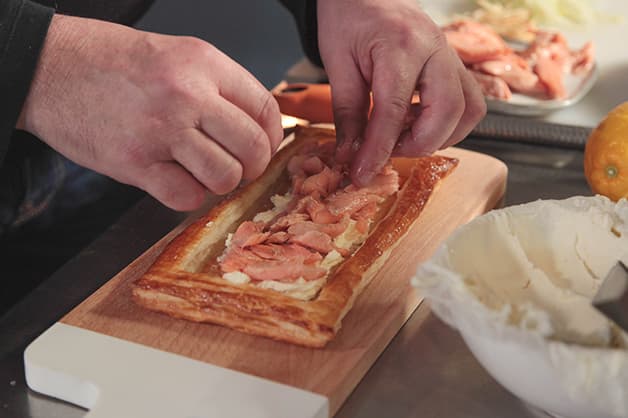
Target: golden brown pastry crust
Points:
(180, 284)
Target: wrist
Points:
(50, 65)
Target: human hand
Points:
(392, 48)
(171, 115)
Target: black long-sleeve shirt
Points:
(24, 25)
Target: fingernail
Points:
(342, 153)
(344, 146)
(362, 176)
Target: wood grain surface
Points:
(476, 186)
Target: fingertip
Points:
(276, 134)
(350, 102)
(228, 179)
(261, 154)
(343, 152)
(362, 174)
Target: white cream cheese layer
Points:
(280, 203)
(300, 288)
(350, 237)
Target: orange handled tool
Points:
(306, 101)
(310, 101)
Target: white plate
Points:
(612, 64)
(577, 87)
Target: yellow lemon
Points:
(606, 155)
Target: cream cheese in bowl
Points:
(518, 283)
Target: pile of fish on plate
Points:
(538, 69)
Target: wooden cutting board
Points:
(476, 186)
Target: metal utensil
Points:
(531, 131)
(612, 297)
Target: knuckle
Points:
(276, 136)
(180, 83)
(434, 42)
(476, 110)
(270, 117)
(133, 156)
(268, 108)
(172, 85)
(407, 35)
(197, 47)
(260, 152)
(453, 106)
(342, 111)
(439, 39)
(228, 178)
(396, 108)
(433, 33)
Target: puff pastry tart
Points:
(286, 255)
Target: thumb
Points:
(350, 101)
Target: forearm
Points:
(23, 29)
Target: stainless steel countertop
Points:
(426, 371)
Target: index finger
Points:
(392, 93)
(242, 89)
(441, 108)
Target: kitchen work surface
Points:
(426, 370)
(99, 372)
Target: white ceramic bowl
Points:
(517, 284)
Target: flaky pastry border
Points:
(170, 285)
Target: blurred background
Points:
(260, 34)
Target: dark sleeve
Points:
(304, 12)
(23, 28)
